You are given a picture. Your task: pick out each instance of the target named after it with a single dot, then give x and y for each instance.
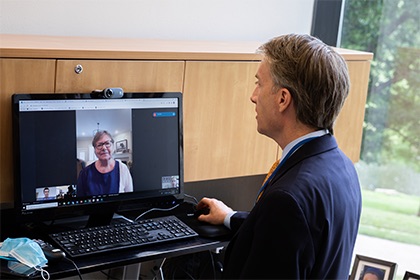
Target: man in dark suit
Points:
(305, 220)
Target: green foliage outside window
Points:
(391, 137)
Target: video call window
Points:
(56, 144)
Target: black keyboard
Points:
(82, 242)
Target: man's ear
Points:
(284, 99)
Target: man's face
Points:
(265, 99)
(46, 193)
(370, 276)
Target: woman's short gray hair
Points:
(98, 136)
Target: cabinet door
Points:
(132, 76)
(18, 76)
(348, 128)
(220, 136)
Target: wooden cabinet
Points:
(216, 79)
(219, 122)
(130, 75)
(348, 128)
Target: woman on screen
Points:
(106, 175)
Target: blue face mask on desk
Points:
(23, 251)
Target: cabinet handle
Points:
(78, 69)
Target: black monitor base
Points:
(101, 218)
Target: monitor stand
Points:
(91, 218)
(102, 218)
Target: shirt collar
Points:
(289, 146)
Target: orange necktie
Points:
(276, 164)
(273, 167)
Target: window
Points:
(389, 168)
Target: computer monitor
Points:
(53, 136)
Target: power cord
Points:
(192, 197)
(155, 209)
(212, 264)
(160, 270)
(75, 265)
(166, 209)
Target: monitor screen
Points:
(81, 152)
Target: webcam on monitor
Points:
(109, 93)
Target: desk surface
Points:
(126, 257)
(129, 256)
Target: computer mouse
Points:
(211, 231)
(203, 211)
(51, 253)
(205, 229)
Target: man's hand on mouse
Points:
(217, 211)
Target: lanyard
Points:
(292, 150)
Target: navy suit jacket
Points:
(305, 224)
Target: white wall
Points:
(243, 20)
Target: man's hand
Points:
(217, 211)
